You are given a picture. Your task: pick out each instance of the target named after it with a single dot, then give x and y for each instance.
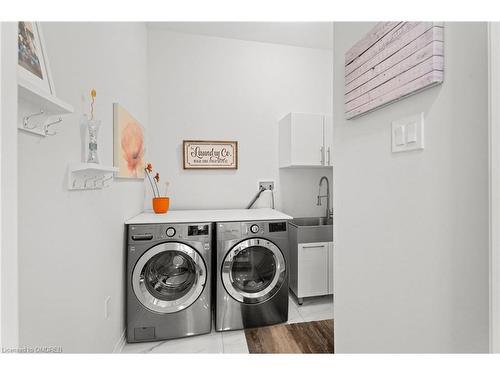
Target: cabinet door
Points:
(330, 268)
(328, 140)
(312, 278)
(307, 139)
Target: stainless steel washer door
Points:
(169, 277)
(253, 270)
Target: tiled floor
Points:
(318, 308)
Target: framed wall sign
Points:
(210, 154)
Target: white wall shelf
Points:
(35, 95)
(89, 176)
(38, 108)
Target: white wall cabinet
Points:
(305, 140)
(314, 270)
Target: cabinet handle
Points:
(322, 151)
(313, 246)
(329, 156)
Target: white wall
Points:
(300, 189)
(494, 182)
(411, 234)
(71, 242)
(8, 186)
(212, 88)
(1, 179)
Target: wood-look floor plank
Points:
(308, 337)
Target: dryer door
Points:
(253, 270)
(169, 277)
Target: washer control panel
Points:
(170, 232)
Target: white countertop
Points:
(208, 216)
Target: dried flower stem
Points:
(151, 183)
(93, 95)
(156, 184)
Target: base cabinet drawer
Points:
(313, 269)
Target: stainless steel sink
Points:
(311, 221)
(311, 229)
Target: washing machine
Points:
(252, 274)
(168, 280)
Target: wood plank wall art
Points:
(394, 60)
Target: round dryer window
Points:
(253, 270)
(169, 277)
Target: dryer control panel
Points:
(263, 228)
(230, 231)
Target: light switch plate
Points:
(399, 134)
(408, 133)
(411, 132)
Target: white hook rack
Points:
(26, 120)
(46, 128)
(89, 176)
(41, 127)
(41, 105)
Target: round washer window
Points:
(169, 275)
(253, 269)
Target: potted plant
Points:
(160, 203)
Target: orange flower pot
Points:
(160, 205)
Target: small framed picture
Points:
(32, 62)
(210, 154)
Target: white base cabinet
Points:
(312, 269)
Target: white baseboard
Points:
(120, 343)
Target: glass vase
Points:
(93, 128)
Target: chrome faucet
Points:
(329, 211)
